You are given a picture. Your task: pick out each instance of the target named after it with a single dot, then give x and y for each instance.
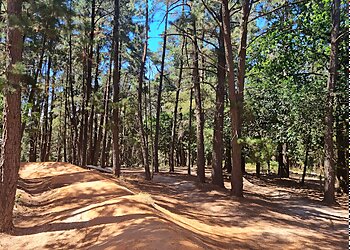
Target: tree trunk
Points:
(66, 112)
(108, 150)
(258, 167)
(190, 134)
(144, 148)
(305, 161)
(198, 109)
(150, 125)
(342, 168)
(34, 111)
(88, 87)
(329, 188)
(116, 80)
(52, 106)
(173, 140)
(44, 128)
(11, 135)
(218, 147)
(105, 116)
(236, 174)
(283, 165)
(159, 99)
(242, 51)
(228, 157)
(93, 116)
(31, 98)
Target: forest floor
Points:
(62, 206)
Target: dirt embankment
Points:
(62, 206)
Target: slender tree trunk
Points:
(190, 134)
(34, 111)
(61, 132)
(236, 174)
(88, 86)
(283, 165)
(52, 106)
(66, 111)
(305, 161)
(218, 147)
(11, 135)
(105, 115)
(73, 117)
(99, 126)
(286, 161)
(93, 124)
(174, 134)
(329, 166)
(44, 129)
(151, 125)
(242, 51)
(159, 99)
(31, 98)
(258, 168)
(228, 157)
(342, 168)
(81, 120)
(198, 109)
(108, 150)
(144, 148)
(116, 80)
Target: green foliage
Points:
(259, 149)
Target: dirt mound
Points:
(61, 206)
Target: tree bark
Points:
(258, 168)
(44, 128)
(93, 129)
(88, 87)
(218, 147)
(34, 110)
(11, 136)
(116, 80)
(66, 112)
(73, 117)
(342, 168)
(173, 140)
(144, 148)
(305, 161)
(228, 157)
(198, 109)
(236, 174)
(190, 134)
(283, 164)
(242, 52)
(52, 106)
(329, 166)
(105, 116)
(159, 99)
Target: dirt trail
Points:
(62, 206)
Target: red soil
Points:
(62, 206)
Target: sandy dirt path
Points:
(62, 206)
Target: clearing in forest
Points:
(62, 206)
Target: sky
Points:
(156, 25)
